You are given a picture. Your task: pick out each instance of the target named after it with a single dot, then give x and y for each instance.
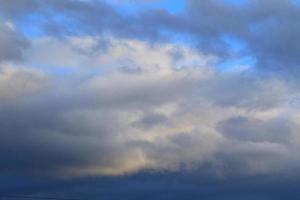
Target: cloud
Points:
(17, 9)
(81, 136)
(16, 83)
(137, 102)
(254, 24)
(151, 120)
(12, 42)
(241, 128)
(206, 25)
(171, 114)
(107, 54)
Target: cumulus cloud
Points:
(87, 90)
(171, 114)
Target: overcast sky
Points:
(150, 99)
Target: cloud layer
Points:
(97, 93)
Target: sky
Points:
(150, 99)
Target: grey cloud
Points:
(47, 143)
(17, 83)
(241, 128)
(12, 43)
(89, 128)
(126, 122)
(151, 120)
(73, 135)
(267, 29)
(239, 89)
(17, 10)
(143, 119)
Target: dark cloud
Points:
(164, 185)
(268, 28)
